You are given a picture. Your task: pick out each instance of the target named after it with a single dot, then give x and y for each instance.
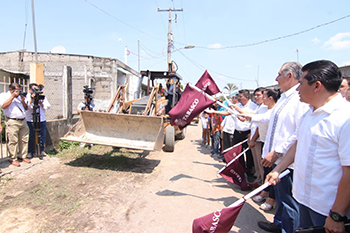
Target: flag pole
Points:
(240, 143)
(213, 99)
(237, 157)
(258, 190)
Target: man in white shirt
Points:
(14, 106)
(43, 105)
(321, 152)
(242, 129)
(282, 126)
(255, 143)
(344, 86)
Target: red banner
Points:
(220, 221)
(207, 84)
(190, 105)
(231, 154)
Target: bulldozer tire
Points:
(169, 139)
(182, 135)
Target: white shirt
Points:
(244, 126)
(228, 124)
(205, 122)
(29, 116)
(323, 148)
(261, 119)
(283, 122)
(82, 104)
(16, 109)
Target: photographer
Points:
(14, 106)
(87, 105)
(34, 95)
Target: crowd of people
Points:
(24, 116)
(304, 127)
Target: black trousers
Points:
(227, 139)
(248, 165)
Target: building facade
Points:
(103, 74)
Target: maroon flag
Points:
(232, 153)
(192, 102)
(221, 221)
(207, 84)
(234, 172)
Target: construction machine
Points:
(138, 124)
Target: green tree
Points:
(230, 87)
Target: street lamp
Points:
(170, 64)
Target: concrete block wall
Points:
(102, 72)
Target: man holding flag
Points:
(321, 152)
(283, 122)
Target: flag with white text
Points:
(191, 103)
(234, 172)
(207, 84)
(231, 154)
(220, 221)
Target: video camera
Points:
(88, 91)
(22, 93)
(38, 93)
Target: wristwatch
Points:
(337, 217)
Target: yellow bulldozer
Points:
(138, 124)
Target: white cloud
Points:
(316, 40)
(215, 46)
(248, 66)
(337, 42)
(346, 63)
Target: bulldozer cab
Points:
(173, 94)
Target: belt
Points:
(17, 119)
(240, 132)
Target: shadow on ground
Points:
(116, 161)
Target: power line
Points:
(277, 38)
(161, 17)
(112, 16)
(203, 68)
(26, 9)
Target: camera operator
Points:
(87, 105)
(14, 106)
(43, 103)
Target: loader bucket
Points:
(118, 130)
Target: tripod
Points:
(37, 127)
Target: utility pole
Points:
(170, 38)
(138, 54)
(297, 55)
(257, 78)
(34, 33)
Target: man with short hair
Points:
(321, 150)
(43, 105)
(254, 142)
(242, 129)
(344, 86)
(282, 125)
(14, 106)
(235, 99)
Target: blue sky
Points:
(215, 28)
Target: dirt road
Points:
(155, 192)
